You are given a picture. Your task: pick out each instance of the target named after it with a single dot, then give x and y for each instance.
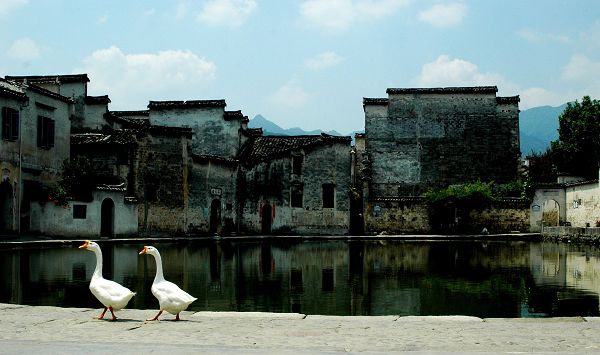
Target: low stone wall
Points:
(397, 216)
(572, 234)
(413, 215)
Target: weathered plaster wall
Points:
(212, 181)
(161, 171)
(212, 133)
(271, 184)
(583, 204)
(422, 140)
(47, 159)
(94, 116)
(50, 219)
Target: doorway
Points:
(267, 219)
(6, 211)
(215, 216)
(107, 218)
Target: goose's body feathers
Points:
(170, 297)
(111, 294)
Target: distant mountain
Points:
(271, 129)
(538, 127)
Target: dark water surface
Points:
(338, 277)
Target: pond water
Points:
(336, 277)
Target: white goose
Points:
(112, 295)
(170, 297)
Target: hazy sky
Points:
(306, 63)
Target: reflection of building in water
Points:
(572, 274)
(494, 279)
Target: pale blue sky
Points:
(306, 63)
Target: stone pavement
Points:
(27, 329)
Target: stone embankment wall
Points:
(413, 215)
(572, 234)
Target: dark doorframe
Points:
(266, 219)
(6, 210)
(215, 216)
(107, 218)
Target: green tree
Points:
(577, 149)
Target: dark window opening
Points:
(297, 161)
(297, 196)
(10, 124)
(296, 280)
(151, 190)
(122, 157)
(45, 132)
(79, 211)
(327, 280)
(328, 195)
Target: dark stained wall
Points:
(431, 138)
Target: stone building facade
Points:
(38, 142)
(296, 184)
(421, 139)
(418, 139)
(35, 142)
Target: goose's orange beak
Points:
(144, 251)
(85, 245)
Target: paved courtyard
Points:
(27, 329)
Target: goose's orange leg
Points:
(101, 314)
(156, 317)
(114, 317)
(177, 317)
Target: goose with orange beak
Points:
(112, 295)
(170, 297)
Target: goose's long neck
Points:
(159, 269)
(98, 270)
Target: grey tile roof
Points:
(269, 147)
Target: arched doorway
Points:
(6, 210)
(551, 213)
(107, 218)
(215, 216)
(266, 219)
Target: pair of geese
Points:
(115, 296)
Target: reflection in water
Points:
(490, 279)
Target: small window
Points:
(45, 132)
(328, 195)
(297, 196)
(297, 161)
(10, 124)
(79, 211)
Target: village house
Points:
(296, 184)
(193, 167)
(422, 139)
(35, 142)
(38, 141)
(571, 202)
